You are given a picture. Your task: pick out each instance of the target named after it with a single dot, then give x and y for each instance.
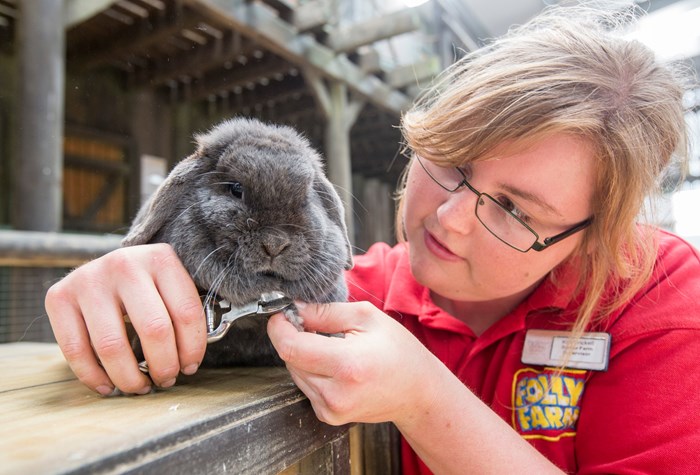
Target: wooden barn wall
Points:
(98, 154)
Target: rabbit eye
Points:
(236, 189)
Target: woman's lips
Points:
(439, 250)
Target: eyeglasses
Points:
(495, 217)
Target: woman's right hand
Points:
(150, 285)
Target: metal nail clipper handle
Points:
(220, 315)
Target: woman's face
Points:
(452, 253)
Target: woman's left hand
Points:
(376, 373)
(381, 373)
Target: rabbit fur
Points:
(251, 211)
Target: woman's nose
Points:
(456, 213)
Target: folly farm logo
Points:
(546, 404)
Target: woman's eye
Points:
(512, 209)
(236, 189)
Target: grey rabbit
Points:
(251, 211)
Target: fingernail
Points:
(144, 390)
(300, 305)
(191, 369)
(169, 383)
(105, 390)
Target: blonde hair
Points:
(566, 71)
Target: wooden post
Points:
(183, 141)
(39, 162)
(340, 114)
(376, 213)
(338, 150)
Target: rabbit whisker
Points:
(234, 226)
(213, 289)
(184, 211)
(205, 260)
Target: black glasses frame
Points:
(535, 246)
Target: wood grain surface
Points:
(233, 420)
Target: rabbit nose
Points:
(273, 246)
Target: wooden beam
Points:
(203, 59)
(348, 38)
(284, 8)
(259, 23)
(135, 38)
(223, 80)
(297, 110)
(369, 60)
(27, 248)
(311, 15)
(77, 11)
(418, 73)
(277, 93)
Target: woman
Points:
(527, 323)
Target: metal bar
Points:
(39, 249)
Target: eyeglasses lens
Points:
(494, 217)
(502, 224)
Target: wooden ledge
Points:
(241, 420)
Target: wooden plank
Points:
(340, 455)
(381, 445)
(333, 458)
(245, 420)
(27, 365)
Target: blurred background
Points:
(99, 99)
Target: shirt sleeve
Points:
(642, 415)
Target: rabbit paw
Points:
(294, 318)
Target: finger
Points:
(73, 339)
(318, 389)
(308, 387)
(152, 323)
(309, 352)
(334, 317)
(182, 301)
(305, 383)
(105, 325)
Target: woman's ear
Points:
(159, 208)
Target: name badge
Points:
(554, 348)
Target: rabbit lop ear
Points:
(335, 210)
(158, 209)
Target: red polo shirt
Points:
(642, 415)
